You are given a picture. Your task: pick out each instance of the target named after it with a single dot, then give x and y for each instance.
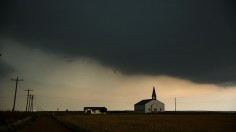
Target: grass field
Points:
(151, 122)
(12, 121)
(7, 117)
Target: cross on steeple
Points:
(154, 96)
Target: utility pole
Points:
(175, 104)
(17, 79)
(29, 106)
(32, 103)
(28, 90)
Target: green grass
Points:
(155, 122)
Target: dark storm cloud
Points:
(193, 39)
(5, 69)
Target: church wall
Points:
(154, 106)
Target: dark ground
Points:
(45, 124)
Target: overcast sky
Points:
(111, 53)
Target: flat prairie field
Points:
(150, 122)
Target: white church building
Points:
(150, 105)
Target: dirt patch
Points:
(45, 124)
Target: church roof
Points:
(143, 102)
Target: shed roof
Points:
(94, 108)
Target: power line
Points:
(17, 79)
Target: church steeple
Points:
(154, 96)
